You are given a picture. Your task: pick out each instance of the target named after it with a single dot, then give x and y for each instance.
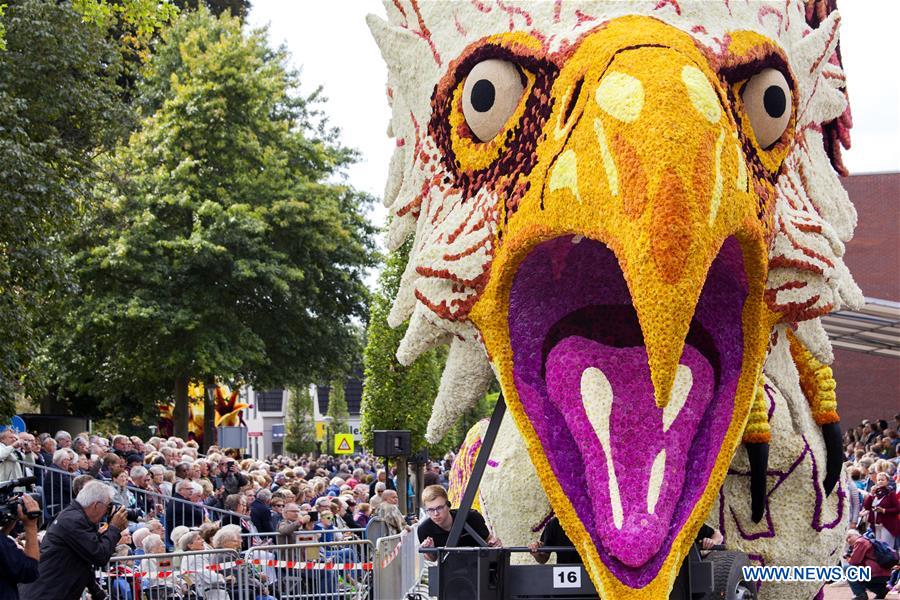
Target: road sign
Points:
(343, 443)
(320, 431)
(254, 434)
(18, 423)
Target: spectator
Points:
(63, 439)
(261, 513)
(209, 584)
(229, 478)
(156, 582)
(48, 447)
(229, 537)
(294, 520)
(10, 458)
(862, 554)
(17, 566)
(391, 497)
(184, 508)
(57, 485)
(381, 477)
(881, 509)
(237, 503)
(362, 514)
(122, 496)
(72, 547)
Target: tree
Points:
(223, 247)
(337, 410)
(61, 108)
(237, 8)
(394, 396)
(300, 430)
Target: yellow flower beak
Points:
(641, 234)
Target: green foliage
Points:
(222, 246)
(61, 107)
(144, 17)
(300, 430)
(337, 410)
(237, 8)
(394, 396)
(2, 29)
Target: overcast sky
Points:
(331, 44)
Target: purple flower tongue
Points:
(635, 454)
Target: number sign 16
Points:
(567, 577)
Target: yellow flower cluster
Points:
(817, 383)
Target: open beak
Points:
(625, 313)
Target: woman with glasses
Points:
(434, 531)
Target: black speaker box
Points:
(390, 442)
(472, 575)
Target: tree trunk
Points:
(209, 413)
(181, 414)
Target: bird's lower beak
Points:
(625, 313)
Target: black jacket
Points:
(71, 550)
(15, 568)
(57, 492)
(261, 515)
(180, 511)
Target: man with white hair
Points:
(73, 547)
(10, 458)
(57, 487)
(185, 508)
(261, 513)
(63, 439)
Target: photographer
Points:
(17, 566)
(73, 546)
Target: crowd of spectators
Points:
(872, 450)
(168, 499)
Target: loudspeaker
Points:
(471, 575)
(392, 443)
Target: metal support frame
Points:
(487, 444)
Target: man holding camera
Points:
(73, 545)
(17, 566)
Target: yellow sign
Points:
(343, 443)
(320, 431)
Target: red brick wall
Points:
(868, 386)
(873, 255)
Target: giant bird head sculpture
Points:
(613, 205)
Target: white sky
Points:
(330, 42)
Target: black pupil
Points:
(482, 95)
(774, 101)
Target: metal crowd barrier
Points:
(398, 565)
(313, 570)
(56, 490)
(207, 574)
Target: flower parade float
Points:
(630, 215)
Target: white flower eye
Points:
(767, 100)
(491, 94)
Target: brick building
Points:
(867, 342)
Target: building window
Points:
(270, 401)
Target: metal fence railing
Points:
(398, 565)
(56, 491)
(308, 570)
(208, 574)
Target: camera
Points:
(133, 514)
(10, 500)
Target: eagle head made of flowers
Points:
(613, 205)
